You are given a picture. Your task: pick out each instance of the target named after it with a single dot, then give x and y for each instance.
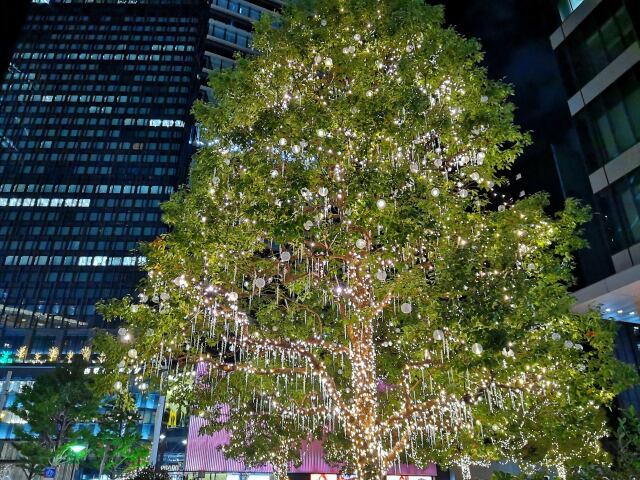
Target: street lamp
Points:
(76, 449)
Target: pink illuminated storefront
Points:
(205, 460)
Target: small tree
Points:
(52, 407)
(117, 447)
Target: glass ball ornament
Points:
(296, 149)
(259, 282)
(381, 275)
(568, 344)
(361, 243)
(477, 349)
(475, 176)
(438, 162)
(232, 296)
(414, 168)
(274, 173)
(435, 192)
(323, 191)
(501, 208)
(122, 331)
(438, 335)
(381, 203)
(464, 193)
(323, 22)
(285, 256)
(555, 336)
(132, 353)
(117, 385)
(328, 62)
(282, 142)
(143, 298)
(406, 307)
(578, 347)
(308, 224)
(320, 132)
(484, 99)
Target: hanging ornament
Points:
(122, 331)
(381, 203)
(484, 99)
(555, 336)
(296, 149)
(132, 353)
(328, 62)
(438, 335)
(323, 191)
(414, 168)
(475, 176)
(435, 191)
(117, 385)
(285, 256)
(568, 344)
(320, 132)
(259, 282)
(232, 296)
(282, 142)
(464, 193)
(323, 22)
(477, 348)
(308, 224)
(406, 307)
(381, 275)
(438, 162)
(361, 243)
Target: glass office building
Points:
(94, 135)
(598, 48)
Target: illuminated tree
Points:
(342, 263)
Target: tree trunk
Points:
(103, 461)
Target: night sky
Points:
(515, 38)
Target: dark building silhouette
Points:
(597, 47)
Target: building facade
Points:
(94, 131)
(598, 49)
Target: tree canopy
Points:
(342, 265)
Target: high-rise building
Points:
(598, 50)
(94, 135)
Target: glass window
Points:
(620, 206)
(610, 124)
(599, 39)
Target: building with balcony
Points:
(598, 48)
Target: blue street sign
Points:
(49, 472)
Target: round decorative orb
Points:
(122, 331)
(164, 296)
(285, 256)
(320, 132)
(484, 99)
(308, 224)
(259, 282)
(323, 191)
(117, 385)
(568, 344)
(143, 298)
(406, 307)
(555, 336)
(361, 243)
(381, 275)
(438, 335)
(282, 142)
(464, 193)
(438, 162)
(295, 149)
(414, 168)
(435, 192)
(133, 353)
(501, 208)
(274, 173)
(381, 203)
(232, 296)
(328, 62)
(578, 347)
(475, 176)
(477, 348)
